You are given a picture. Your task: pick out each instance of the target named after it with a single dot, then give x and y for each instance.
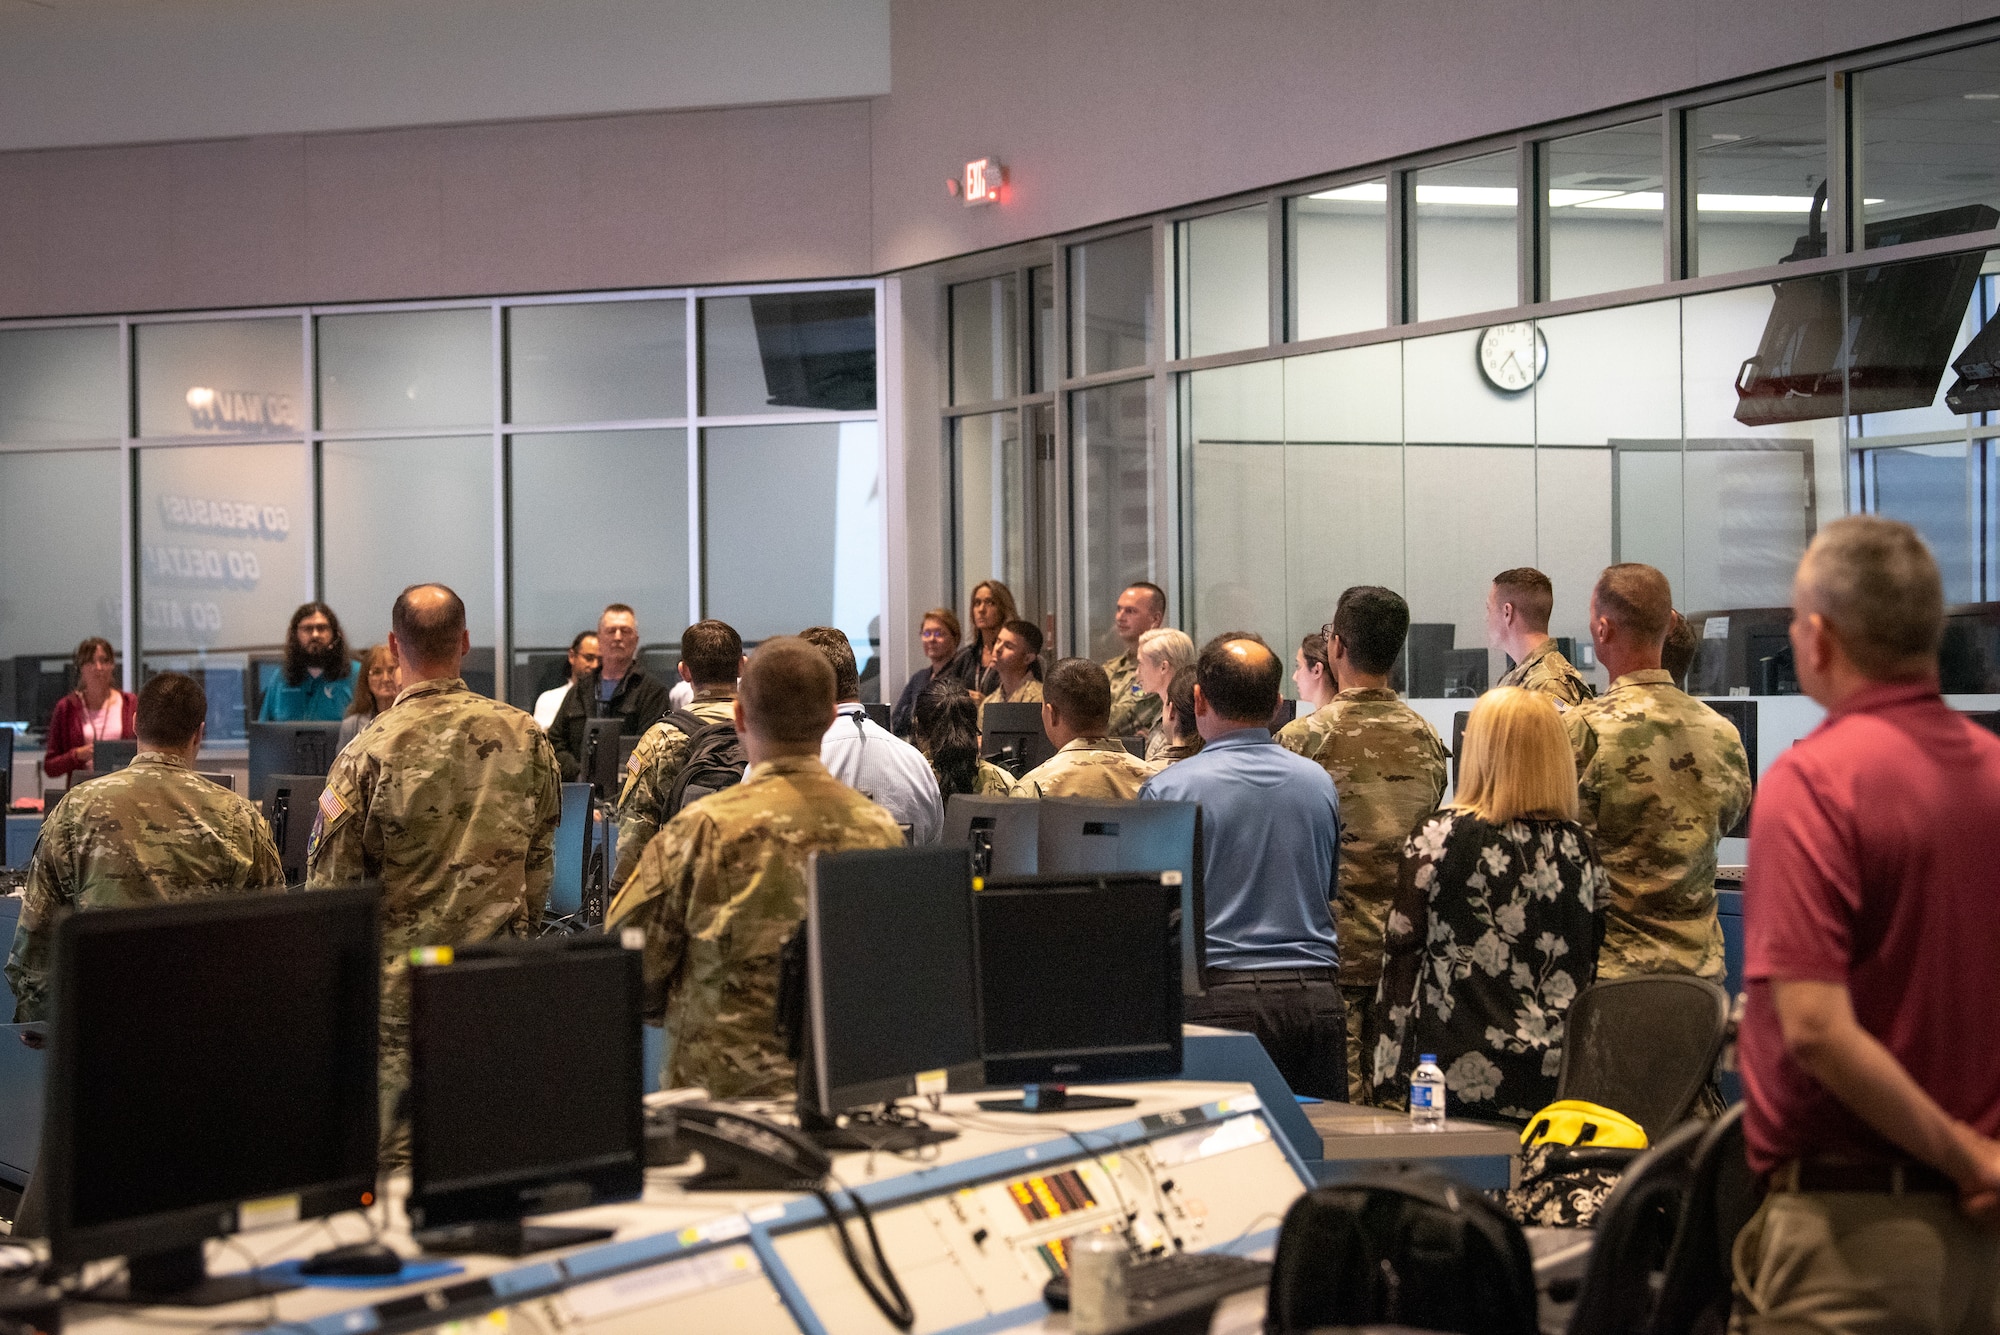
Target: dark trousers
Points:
(1297, 1014)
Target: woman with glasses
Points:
(939, 636)
(96, 711)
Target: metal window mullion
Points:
(1401, 239)
(890, 538)
(503, 565)
(1162, 530)
(692, 442)
(129, 591)
(1532, 221)
(1276, 283)
(1069, 568)
(1843, 197)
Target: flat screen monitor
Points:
(818, 348)
(1423, 659)
(1743, 648)
(291, 803)
(1092, 836)
(1011, 737)
(601, 747)
(526, 1064)
(1079, 981)
(892, 992)
(1988, 719)
(1002, 832)
(211, 1067)
(290, 748)
(112, 754)
(572, 851)
(1743, 713)
(1969, 656)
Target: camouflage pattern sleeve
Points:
(538, 866)
(1734, 782)
(656, 901)
(44, 900)
(1297, 737)
(267, 867)
(337, 854)
(642, 802)
(1583, 740)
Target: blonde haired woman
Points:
(1496, 925)
(1161, 653)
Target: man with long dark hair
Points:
(317, 683)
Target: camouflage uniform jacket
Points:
(1389, 767)
(992, 781)
(650, 774)
(151, 833)
(1133, 710)
(1547, 671)
(1087, 767)
(718, 892)
(1660, 777)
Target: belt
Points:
(1321, 974)
(1888, 1179)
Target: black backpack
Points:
(715, 760)
(1401, 1245)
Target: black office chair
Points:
(1644, 1047)
(1634, 1231)
(1722, 1195)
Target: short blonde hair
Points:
(1163, 646)
(1515, 759)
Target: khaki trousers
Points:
(1865, 1262)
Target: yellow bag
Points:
(1574, 1122)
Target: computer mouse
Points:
(356, 1258)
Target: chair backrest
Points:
(572, 846)
(1644, 1046)
(1634, 1230)
(1722, 1195)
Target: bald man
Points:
(1270, 826)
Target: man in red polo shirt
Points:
(1870, 1048)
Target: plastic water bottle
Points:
(1097, 1297)
(1427, 1094)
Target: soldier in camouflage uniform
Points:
(1141, 607)
(449, 802)
(1389, 768)
(711, 658)
(1660, 777)
(151, 833)
(992, 781)
(1087, 763)
(1518, 607)
(722, 887)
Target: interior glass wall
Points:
(1225, 281)
(1927, 161)
(1606, 201)
(1339, 242)
(1465, 234)
(1758, 179)
(1111, 303)
(1116, 495)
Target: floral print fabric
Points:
(1493, 932)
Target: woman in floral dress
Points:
(1496, 924)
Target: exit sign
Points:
(982, 181)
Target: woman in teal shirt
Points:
(316, 683)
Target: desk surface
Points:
(1352, 1132)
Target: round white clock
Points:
(1513, 356)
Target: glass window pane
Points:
(1460, 535)
(983, 342)
(827, 571)
(1467, 248)
(1759, 162)
(1340, 260)
(1042, 296)
(991, 522)
(220, 378)
(601, 361)
(385, 370)
(60, 384)
(61, 558)
(1637, 350)
(1928, 159)
(1909, 323)
(559, 504)
(1934, 489)
(1237, 498)
(403, 512)
(1225, 281)
(1607, 209)
(784, 352)
(1114, 489)
(1447, 398)
(1111, 303)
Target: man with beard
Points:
(317, 682)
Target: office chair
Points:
(1695, 1292)
(1634, 1230)
(1644, 1047)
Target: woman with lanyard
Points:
(992, 608)
(95, 711)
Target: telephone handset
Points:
(741, 1151)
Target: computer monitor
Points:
(1002, 832)
(1076, 835)
(1012, 737)
(1743, 713)
(600, 767)
(1464, 673)
(290, 748)
(1743, 648)
(291, 803)
(1424, 659)
(892, 992)
(112, 754)
(1053, 952)
(211, 1070)
(1969, 654)
(1988, 719)
(572, 852)
(818, 348)
(526, 1075)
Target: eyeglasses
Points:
(935, 634)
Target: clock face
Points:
(1513, 356)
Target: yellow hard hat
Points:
(1574, 1122)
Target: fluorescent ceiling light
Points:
(1371, 192)
(1484, 196)
(1645, 201)
(1759, 203)
(1559, 199)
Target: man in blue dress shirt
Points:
(1270, 828)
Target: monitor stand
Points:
(179, 1278)
(504, 1237)
(1054, 1098)
(892, 1132)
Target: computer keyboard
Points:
(1154, 1281)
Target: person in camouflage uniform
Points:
(151, 833)
(1176, 723)
(711, 658)
(450, 803)
(1518, 607)
(723, 886)
(1389, 768)
(1660, 776)
(1087, 762)
(1134, 710)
